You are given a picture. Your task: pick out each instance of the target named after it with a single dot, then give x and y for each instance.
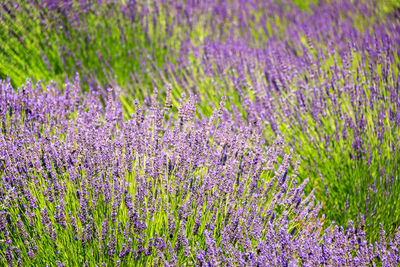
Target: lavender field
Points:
(200, 133)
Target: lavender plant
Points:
(78, 180)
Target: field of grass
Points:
(232, 133)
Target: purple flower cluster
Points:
(78, 180)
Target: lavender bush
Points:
(78, 180)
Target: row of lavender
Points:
(162, 186)
(78, 180)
